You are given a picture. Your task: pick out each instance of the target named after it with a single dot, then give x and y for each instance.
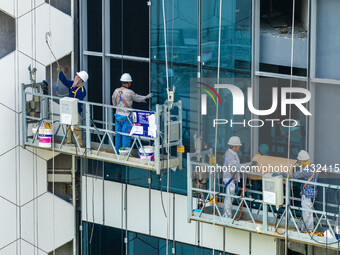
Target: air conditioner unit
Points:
(272, 188)
(69, 111)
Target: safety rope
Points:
(53, 139)
(49, 34)
(216, 128)
(289, 129)
(168, 133)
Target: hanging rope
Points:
(49, 34)
(53, 138)
(168, 133)
(290, 114)
(216, 129)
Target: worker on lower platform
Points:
(231, 178)
(308, 191)
(124, 97)
(76, 90)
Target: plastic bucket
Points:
(45, 137)
(146, 152)
(124, 151)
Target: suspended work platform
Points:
(98, 131)
(250, 212)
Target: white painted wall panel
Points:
(138, 209)
(46, 219)
(236, 241)
(113, 204)
(211, 236)
(158, 219)
(7, 132)
(263, 245)
(33, 176)
(92, 200)
(29, 249)
(25, 6)
(7, 222)
(7, 6)
(8, 176)
(61, 30)
(184, 231)
(7, 87)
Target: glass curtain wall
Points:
(105, 240)
(129, 37)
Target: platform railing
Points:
(98, 133)
(205, 204)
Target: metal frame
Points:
(264, 219)
(104, 149)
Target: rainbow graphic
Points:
(204, 97)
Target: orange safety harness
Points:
(75, 92)
(310, 178)
(120, 93)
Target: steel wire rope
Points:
(289, 129)
(168, 128)
(216, 128)
(53, 139)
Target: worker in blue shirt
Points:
(124, 97)
(308, 191)
(76, 90)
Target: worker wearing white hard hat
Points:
(124, 97)
(308, 191)
(231, 177)
(76, 90)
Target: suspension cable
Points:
(290, 114)
(216, 128)
(53, 138)
(168, 132)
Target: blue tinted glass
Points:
(181, 31)
(235, 40)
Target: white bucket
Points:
(146, 152)
(45, 137)
(124, 151)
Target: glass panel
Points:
(142, 244)
(135, 28)
(94, 25)
(181, 31)
(274, 135)
(7, 34)
(235, 34)
(62, 5)
(327, 39)
(99, 239)
(139, 72)
(94, 85)
(276, 34)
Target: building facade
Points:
(128, 210)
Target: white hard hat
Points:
(303, 156)
(83, 75)
(234, 141)
(126, 77)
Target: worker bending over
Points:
(77, 90)
(124, 97)
(308, 191)
(231, 178)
